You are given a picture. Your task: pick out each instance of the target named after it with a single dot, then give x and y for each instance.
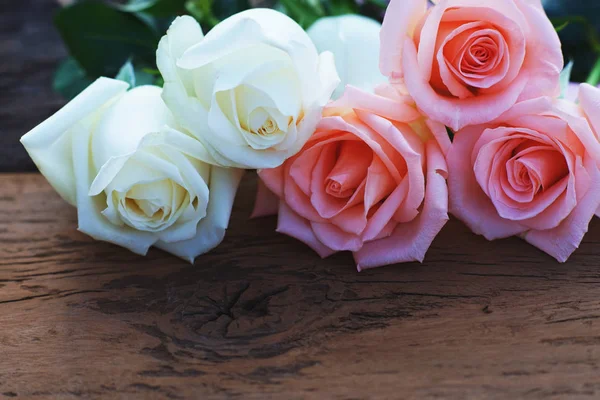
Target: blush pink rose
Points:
(371, 180)
(465, 62)
(589, 101)
(533, 172)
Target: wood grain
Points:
(264, 317)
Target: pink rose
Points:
(466, 62)
(572, 92)
(589, 100)
(371, 180)
(533, 172)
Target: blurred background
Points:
(51, 49)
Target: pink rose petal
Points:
(410, 242)
(266, 203)
(468, 202)
(562, 241)
(400, 20)
(293, 225)
(453, 112)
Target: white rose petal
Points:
(136, 180)
(49, 144)
(250, 90)
(211, 229)
(354, 42)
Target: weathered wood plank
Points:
(263, 317)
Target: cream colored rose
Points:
(252, 90)
(354, 42)
(136, 181)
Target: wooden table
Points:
(264, 317)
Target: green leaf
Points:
(102, 38)
(202, 11)
(565, 79)
(143, 78)
(341, 7)
(379, 3)
(211, 12)
(156, 8)
(590, 31)
(70, 79)
(560, 27)
(136, 5)
(159, 81)
(226, 8)
(304, 12)
(594, 77)
(127, 74)
(135, 76)
(151, 71)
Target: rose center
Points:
(350, 169)
(261, 123)
(473, 56)
(147, 208)
(525, 180)
(152, 203)
(532, 169)
(335, 189)
(481, 55)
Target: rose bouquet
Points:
(365, 136)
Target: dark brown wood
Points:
(264, 317)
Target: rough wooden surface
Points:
(263, 317)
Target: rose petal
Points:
(452, 112)
(354, 41)
(266, 203)
(513, 36)
(351, 220)
(49, 144)
(410, 147)
(211, 230)
(273, 180)
(440, 133)
(400, 20)
(335, 238)
(468, 202)
(544, 61)
(429, 34)
(562, 241)
(589, 99)
(291, 224)
(384, 214)
(402, 110)
(410, 241)
(89, 208)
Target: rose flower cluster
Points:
(453, 108)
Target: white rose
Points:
(354, 42)
(252, 91)
(135, 182)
